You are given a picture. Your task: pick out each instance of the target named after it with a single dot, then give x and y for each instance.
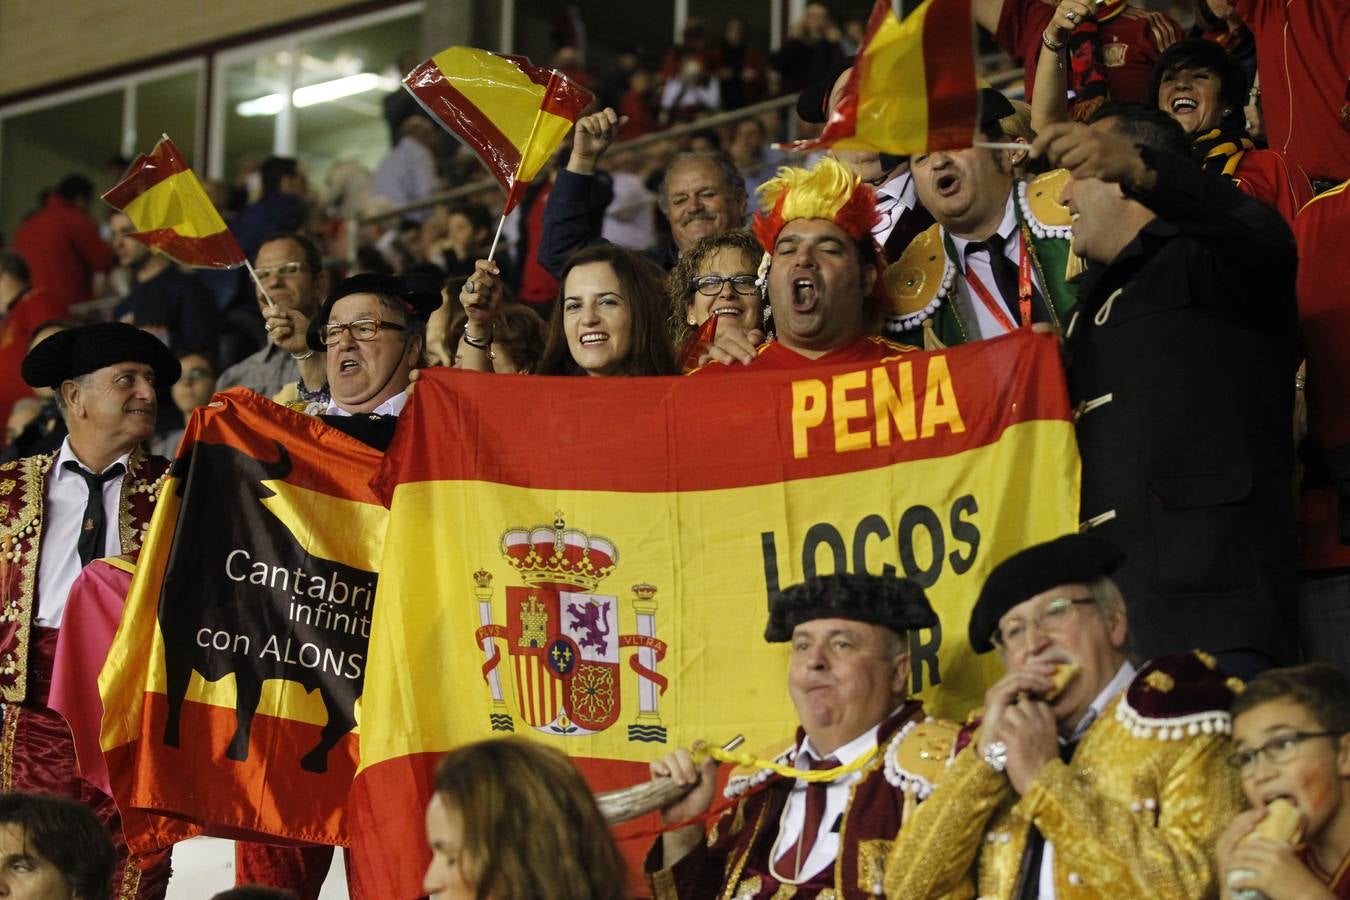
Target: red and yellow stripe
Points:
(171, 212)
(913, 87)
(511, 114)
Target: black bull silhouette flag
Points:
(233, 684)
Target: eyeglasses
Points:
(1277, 750)
(711, 285)
(290, 268)
(1053, 616)
(197, 373)
(361, 329)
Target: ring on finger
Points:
(470, 287)
(1071, 16)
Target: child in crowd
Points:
(1291, 737)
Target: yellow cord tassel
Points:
(747, 760)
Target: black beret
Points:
(418, 293)
(1071, 559)
(895, 603)
(811, 101)
(993, 106)
(79, 351)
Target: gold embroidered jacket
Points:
(1135, 814)
(22, 496)
(733, 861)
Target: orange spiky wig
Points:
(828, 190)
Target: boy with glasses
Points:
(1290, 737)
(1111, 783)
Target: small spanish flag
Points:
(913, 86)
(511, 114)
(172, 213)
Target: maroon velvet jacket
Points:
(22, 490)
(733, 860)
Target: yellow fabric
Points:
(178, 203)
(750, 761)
(1099, 811)
(508, 97)
(704, 547)
(892, 105)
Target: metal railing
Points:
(673, 132)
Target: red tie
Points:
(815, 811)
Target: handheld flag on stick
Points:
(171, 212)
(912, 88)
(511, 114)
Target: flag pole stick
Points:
(993, 145)
(497, 237)
(258, 282)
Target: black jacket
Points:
(1185, 343)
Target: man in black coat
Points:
(1181, 356)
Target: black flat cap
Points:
(79, 351)
(1071, 559)
(895, 603)
(417, 292)
(811, 101)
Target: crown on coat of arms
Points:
(559, 555)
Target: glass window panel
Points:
(168, 106)
(253, 94)
(41, 147)
(340, 88)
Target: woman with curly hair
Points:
(715, 279)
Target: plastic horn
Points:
(628, 803)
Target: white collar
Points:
(391, 407)
(68, 455)
(901, 188)
(1005, 230)
(846, 754)
(1118, 683)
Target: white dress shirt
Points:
(897, 197)
(973, 310)
(826, 848)
(1046, 884)
(63, 509)
(391, 407)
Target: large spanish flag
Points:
(913, 86)
(511, 114)
(589, 561)
(232, 688)
(171, 212)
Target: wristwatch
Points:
(996, 755)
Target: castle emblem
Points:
(563, 637)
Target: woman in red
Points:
(1198, 84)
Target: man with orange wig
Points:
(821, 271)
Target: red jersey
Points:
(773, 355)
(1337, 882)
(1265, 175)
(1303, 54)
(16, 328)
(63, 250)
(1132, 41)
(1324, 322)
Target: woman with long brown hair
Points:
(609, 319)
(512, 818)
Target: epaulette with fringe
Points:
(1178, 696)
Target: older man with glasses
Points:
(293, 283)
(1082, 777)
